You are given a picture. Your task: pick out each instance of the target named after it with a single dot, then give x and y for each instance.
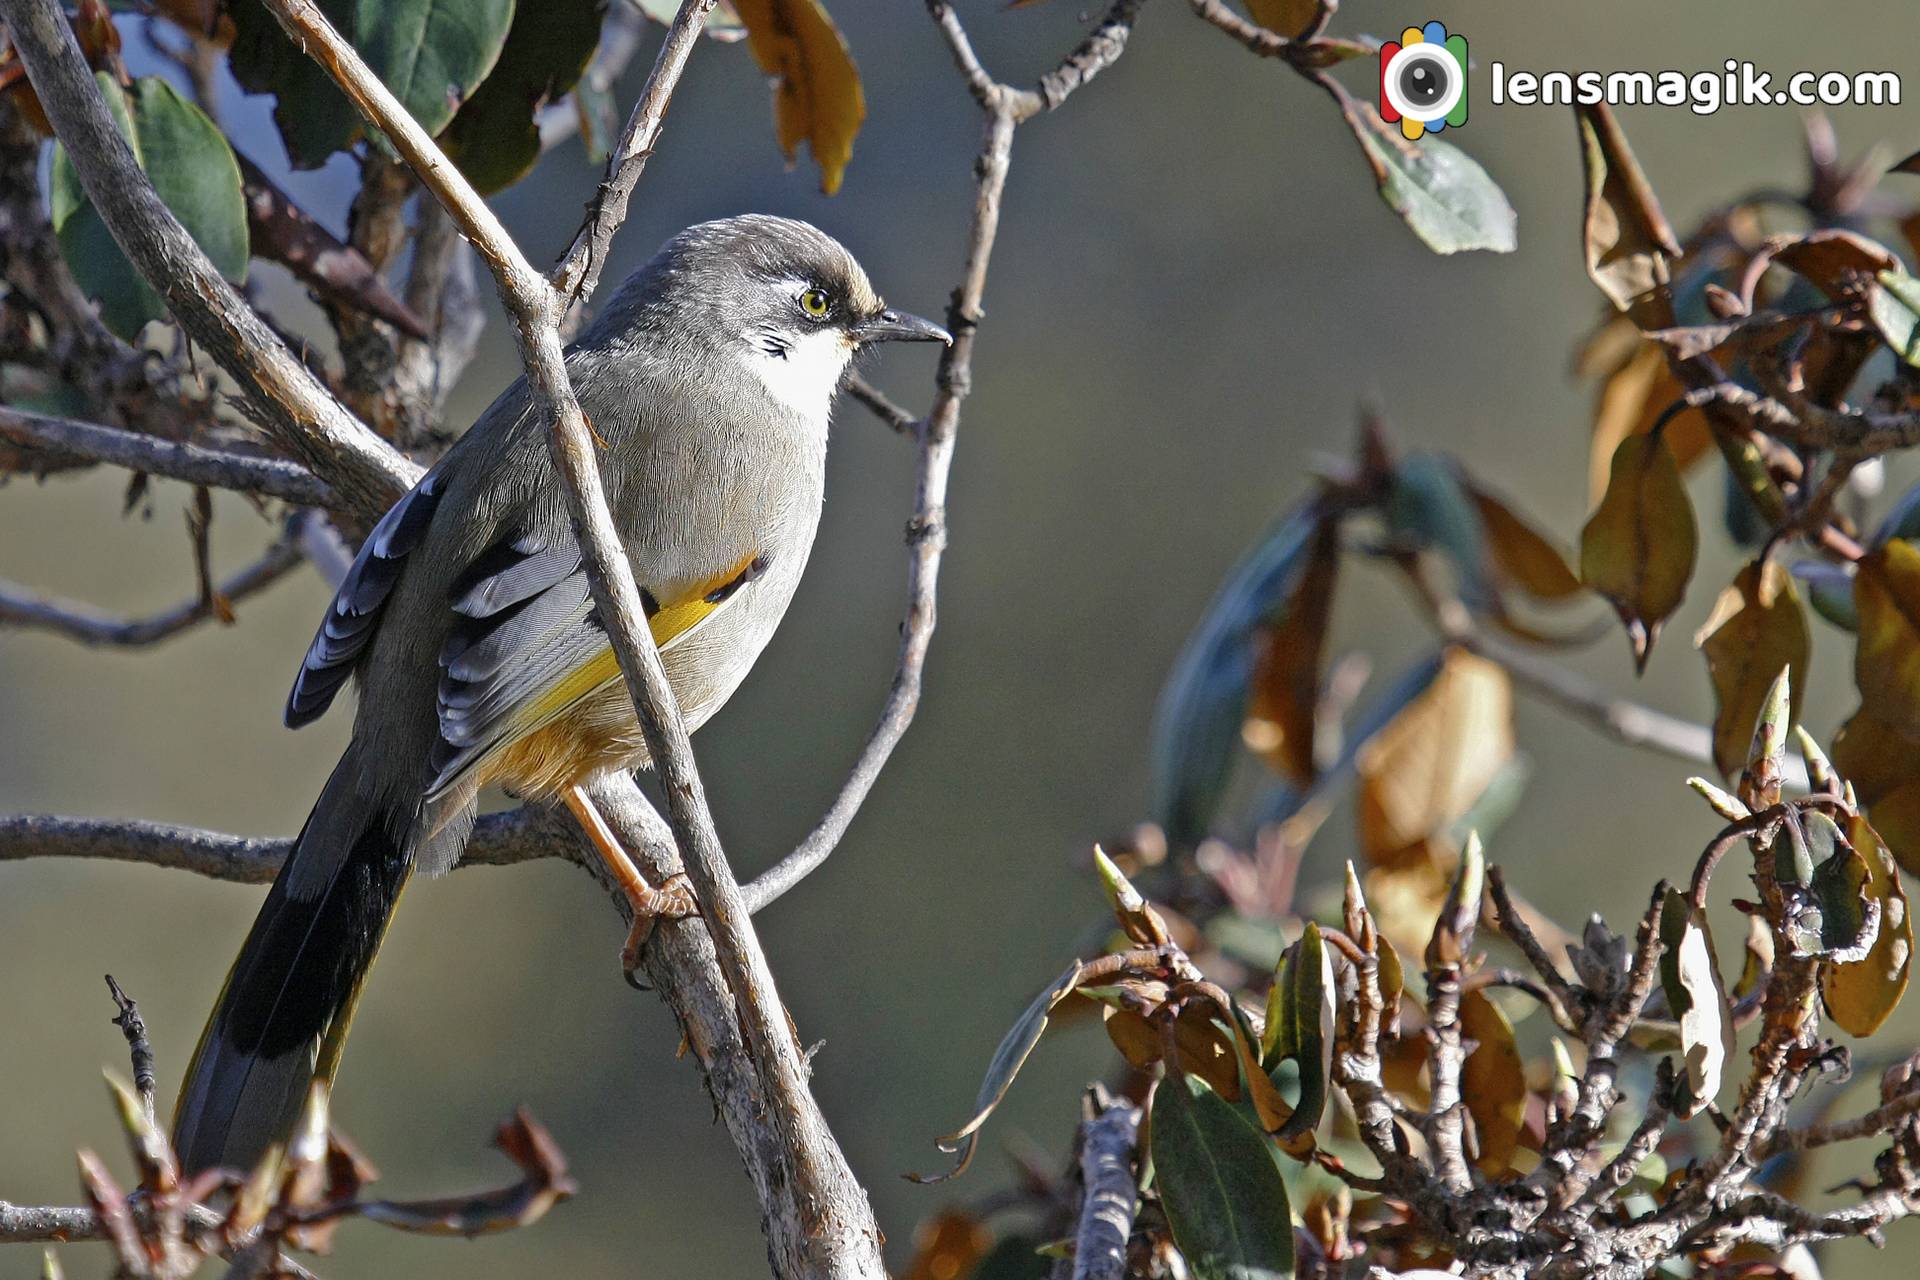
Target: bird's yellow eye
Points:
(814, 302)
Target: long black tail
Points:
(287, 1003)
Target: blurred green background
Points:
(1195, 285)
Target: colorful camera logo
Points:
(1423, 80)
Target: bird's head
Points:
(781, 297)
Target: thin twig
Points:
(139, 1048)
(1003, 108)
(883, 408)
(33, 610)
(573, 278)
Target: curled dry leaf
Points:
(1861, 995)
(1628, 244)
(1757, 627)
(1007, 1061)
(1638, 547)
(817, 97)
(1833, 259)
(1284, 17)
(1522, 556)
(1493, 1082)
(1426, 769)
(1690, 976)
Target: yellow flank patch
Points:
(668, 623)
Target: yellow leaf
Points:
(1757, 627)
(816, 93)
(1886, 663)
(1639, 545)
(1284, 17)
(1425, 770)
(1493, 1082)
(1286, 681)
(1884, 769)
(1521, 554)
(1860, 996)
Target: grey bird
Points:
(708, 381)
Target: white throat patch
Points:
(802, 373)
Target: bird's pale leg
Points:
(671, 901)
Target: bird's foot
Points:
(673, 900)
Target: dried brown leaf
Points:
(1639, 545)
(1756, 628)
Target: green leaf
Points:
(1299, 1027)
(1441, 193)
(493, 136)
(1196, 730)
(1006, 1064)
(1862, 994)
(1894, 306)
(193, 171)
(1221, 1189)
(431, 53)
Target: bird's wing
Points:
(529, 646)
(357, 605)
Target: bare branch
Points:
(301, 415)
(1109, 1192)
(576, 274)
(192, 463)
(22, 608)
(1003, 108)
(883, 407)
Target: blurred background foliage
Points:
(1194, 286)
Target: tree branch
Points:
(575, 275)
(299, 414)
(1004, 108)
(20, 607)
(195, 464)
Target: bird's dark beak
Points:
(898, 326)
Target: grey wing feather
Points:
(356, 607)
(527, 620)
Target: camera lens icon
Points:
(1423, 84)
(1423, 80)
